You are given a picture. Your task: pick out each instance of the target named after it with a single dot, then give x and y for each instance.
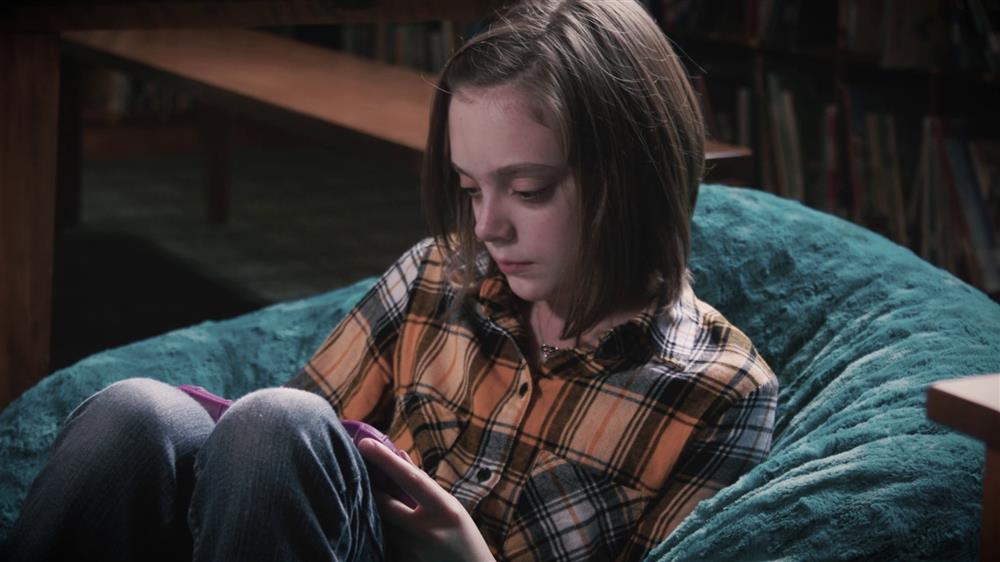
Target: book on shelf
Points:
(912, 32)
(896, 209)
(852, 112)
(785, 131)
(708, 116)
(744, 117)
(110, 96)
(966, 49)
(423, 46)
(785, 24)
(724, 20)
(359, 39)
(412, 44)
(833, 180)
(777, 139)
(861, 23)
(933, 205)
(796, 181)
(984, 258)
(985, 156)
(886, 201)
(985, 16)
(791, 136)
(385, 42)
(958, 225)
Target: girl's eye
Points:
(470, 191)
(535, 195)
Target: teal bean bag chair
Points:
(855, 327)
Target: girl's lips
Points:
(509, 267)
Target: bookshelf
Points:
(881, 111)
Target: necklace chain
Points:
(547, 350)
(550, 350)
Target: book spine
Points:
(974, 215)
(853, 119)
(991, 36)
(797, 180)
(744, 118)
(777, 135)
(950, 208)
(897, 210)
(830, 158)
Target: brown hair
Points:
(609, 84)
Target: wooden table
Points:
(972, 405)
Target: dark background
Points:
(306, 218)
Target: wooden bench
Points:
(328, 95)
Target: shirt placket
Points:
(485, 473)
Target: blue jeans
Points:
(140, 472)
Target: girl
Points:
(561, 392)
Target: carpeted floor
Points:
(144, 260)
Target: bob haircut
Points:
(607, 81)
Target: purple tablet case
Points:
(360, 430)
(214, 405)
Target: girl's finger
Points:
(391, 510)
(411, 479)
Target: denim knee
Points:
(280, 421)
(284, 408)
(279, 475)
(143, 417)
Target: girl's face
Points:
(523, 194)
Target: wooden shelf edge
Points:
(970, 405)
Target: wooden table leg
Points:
(991, 506)
(29, 101)
(972, 405)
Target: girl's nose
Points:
(492, 223)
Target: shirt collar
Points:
(658, 331)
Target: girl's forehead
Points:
(494, 127)
(511, 99)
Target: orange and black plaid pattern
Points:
(596, 456)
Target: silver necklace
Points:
(547, 350)
(550, 350)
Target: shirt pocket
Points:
(433, 425)
(566, 511)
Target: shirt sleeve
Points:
(352, 369)
(723, 449)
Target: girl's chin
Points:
(528, 290)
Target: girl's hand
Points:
(439, 528)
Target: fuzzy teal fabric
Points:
(855, 327)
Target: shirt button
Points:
(483, 475)
(523, 390)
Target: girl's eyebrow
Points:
(514, 170)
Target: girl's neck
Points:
(546, 324)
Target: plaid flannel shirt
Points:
(596, 456)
